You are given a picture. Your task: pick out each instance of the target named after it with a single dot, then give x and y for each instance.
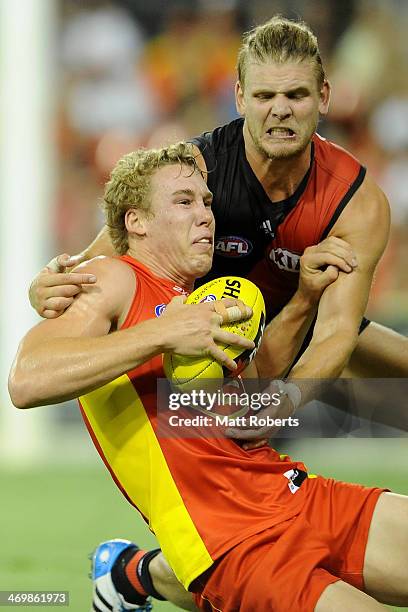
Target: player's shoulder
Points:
(371, 200)
(115, 279)
(336, 162)
(221, 139)
(366, 215)
(105, 267)
(344, 165)
(215, 150)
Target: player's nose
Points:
(205, 215)
(281, 108)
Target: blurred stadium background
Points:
(84, 82)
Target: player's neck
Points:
(279, 177)
(159, 268)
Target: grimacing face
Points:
(181, 229)
(281, 103)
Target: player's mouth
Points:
(205, 242)
(281, 133)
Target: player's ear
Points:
(239, 99)
(135, 222)
(325, 93)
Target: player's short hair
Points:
(280, 40)
(129, 185)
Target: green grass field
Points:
(52, 518)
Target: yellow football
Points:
(188, 373)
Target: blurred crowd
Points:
(135, 73)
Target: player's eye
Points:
(297, 95)
(184, 202)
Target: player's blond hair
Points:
(280, 40)
(129, 185)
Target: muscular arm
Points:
(320, 266)
(66, 357)
(364, 224)
(63, 358)
(283, 338)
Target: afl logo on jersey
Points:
(160, 308)
(232, 246)
(285, 260)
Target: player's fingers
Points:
(217, 319)
(347, 255)
(318, 260)
(329, 275)
(233, 312)
(58, 303)
(176, 301)
(339, 262)
(338, 247)
(216, 353)
(246, 311)
(51, 314)
(228, 315)
(74, 260)
(63, 260)
(232, 339)
(221, 310)
(72, 278)
(62, 291)
(255, 444)
(249, 434)
(237, 313)
(58, 263)
(313, 260)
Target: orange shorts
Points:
(287, 567)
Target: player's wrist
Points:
(154, 336)
(305, 299)
(164, 337)
(290, 391)
(32, 295)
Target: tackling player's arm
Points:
(364, 224)
(63, 358)
(320, 265)
(102, 245)
(54, 288)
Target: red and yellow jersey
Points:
(200, 496)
